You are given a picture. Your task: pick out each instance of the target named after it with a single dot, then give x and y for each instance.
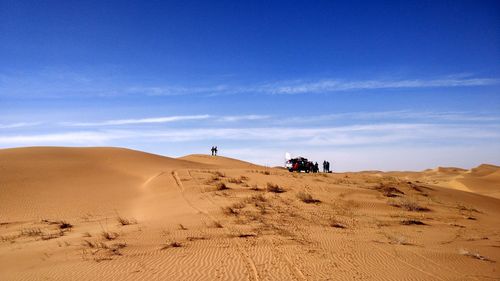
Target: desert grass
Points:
(217, 224)
(255, 188)
(333, 222)
(474, 255)
(172, 244)
(221, 186)
(389, 191)
(274, 188)
(108, 235)
(408, 205)
(307, 198)
(411, 222)
(126, 221)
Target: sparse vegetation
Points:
(173, 244)
(335, 223)
(230, 211)
(464, 208)
(474, 255)
(307, 198)
(274, 188)
(389, 191)
(408, 204)
(221, 186)
(125, 221)
(65, 225)
(109, 235)
(31, 232)
(102, 251)
(255, 188)
(234, 180)
(219, 174)
(217, 224)
(411, 222)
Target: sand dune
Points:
(119, 214)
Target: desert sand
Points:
(120, 214)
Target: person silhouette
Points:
(212, 150)
(215, 150)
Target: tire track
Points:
(250, 264)
(408, 264)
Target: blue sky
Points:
(365, 84)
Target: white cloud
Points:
(370, 134)
(152, 120)
(18, 125)
(54, 84)
(236, 118)
(334, 85)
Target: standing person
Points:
(324, 166)
(215, 149)
(327, 166)
(316, 167)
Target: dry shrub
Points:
(182, 227)
(230, 211)
(238, 205)
(461, 207)
(213, 179)
(258, 198)
(104, 250)
(389, 191)
(255, 188)
(235, 181)
(52, 235)
(271, 187)
(408, 204)
(307, 198)
(399, 240)
(245, 235)
(474, 255)
(108, 235)
(65, 225)
(125, 221)
(221, 186)
(217, 224)
(31, 232)
(173, 244)
(411, 205)
(335, 223)
(219, 174)
(411, 222)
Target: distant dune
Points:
(108, 213)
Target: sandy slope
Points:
(354, 226)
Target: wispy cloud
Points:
(370, 134)
(153, 120)
(236, 118)
(53, 84)
(335, 85)
(18, 125)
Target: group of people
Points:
(214, 150)
(326, 166)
